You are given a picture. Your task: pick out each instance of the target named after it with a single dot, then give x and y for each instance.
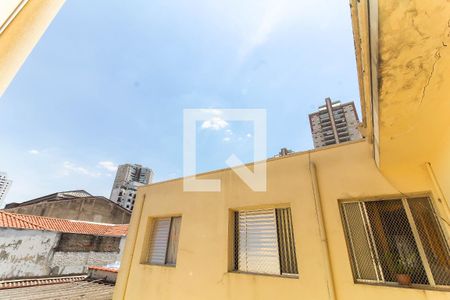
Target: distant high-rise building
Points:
(128, 178)
(334, 123)
(5, 184)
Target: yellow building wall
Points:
(203, 264)
(22, 34)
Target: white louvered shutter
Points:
(257, 240)
(158, 244)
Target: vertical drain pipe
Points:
(322, 231)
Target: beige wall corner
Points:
(26, 24)
(127, 258)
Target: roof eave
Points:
(364, 15)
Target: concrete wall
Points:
(64, 263)
(26, 253)
(90, 209)
(103, 275)
(70, 262)
(204, 269)
(34, 253)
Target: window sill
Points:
(159, 265)
(413, 286)
(288, 276)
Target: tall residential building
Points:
(334, 123)
(5, 184)
(128, 178)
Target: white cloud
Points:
(226, 139)
(108, 165)
(70, 168)
(33, 151)
(228, 132)
(215, 123)
(249, 135)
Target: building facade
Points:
(365, 219)
(5, 184)
(334, 123)
(306, 231)
(128, 178)
(73, 205)
(125, 195)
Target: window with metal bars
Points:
(391, 239)
(164, 241)
(264, 242)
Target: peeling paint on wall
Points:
(23, 253)
(33, 253)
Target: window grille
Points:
(164, 241)
(264, 242)
(432, 237)
(391, 237)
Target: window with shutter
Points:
(164, 241)
(264, 242)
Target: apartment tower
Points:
(128, 178)
(5, 184)
(334, 123)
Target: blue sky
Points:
(108, 82)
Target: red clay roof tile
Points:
(13, 220)
(112, 270)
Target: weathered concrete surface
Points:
(34, 253)
(65, 263)
(414, 79)
(26, 253)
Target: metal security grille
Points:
(264, 242)
(364, 260)
(436, 249)
(391, 237)
(286, 242)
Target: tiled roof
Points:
(18, 283)
(12, 220)
(112, 270)
(70, 290)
